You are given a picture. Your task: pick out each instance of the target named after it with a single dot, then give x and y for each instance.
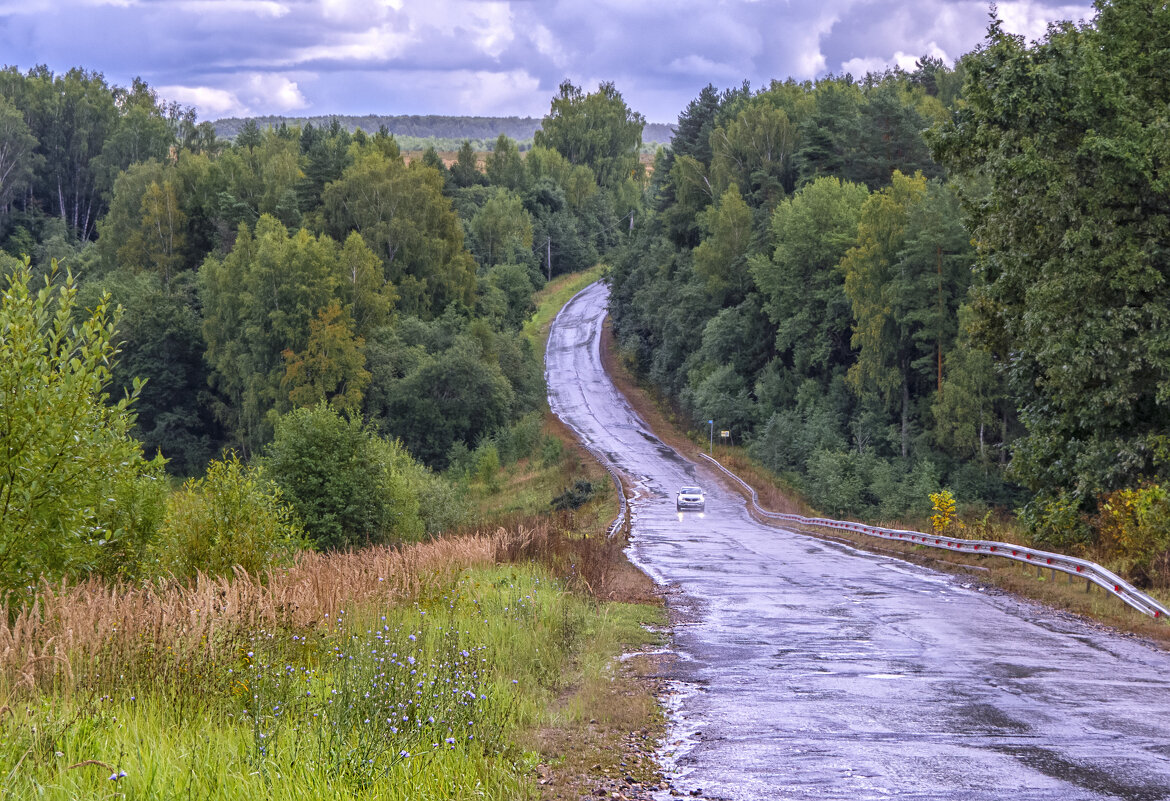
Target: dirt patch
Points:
(610, 751)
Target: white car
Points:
(690, 498)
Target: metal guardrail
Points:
(623, 518)
(1090, 571)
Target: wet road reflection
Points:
(809, 670)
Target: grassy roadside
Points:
(429, 697)
(998, 575)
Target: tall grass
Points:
(379, 674)
(71, 632)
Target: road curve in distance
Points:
(809, 670)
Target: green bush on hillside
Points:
(231, 517)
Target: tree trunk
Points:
(1003, 435)
(905, 414)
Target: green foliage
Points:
(754, 150)
(1134, 524)
(267, 297)
(505, 167)
(403, 216)
(848, 483)
(465, 171)
(597, 130)
(487, 465)
(162, 344)
(721, 258)
(1055, 520)
(447, 398)
(348, 486)
(503, 230)
(800, 279)
(574, 497)
(233, 516)
(1059, 145)
(513, 284)
(331, 368)
(19, 160)
(76, 493)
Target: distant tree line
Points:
(409, 129)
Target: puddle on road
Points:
(683, 734)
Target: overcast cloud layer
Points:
(477, 57)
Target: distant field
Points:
(415, 132)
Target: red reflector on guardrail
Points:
(1117, 588)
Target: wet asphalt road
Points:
(809, 670)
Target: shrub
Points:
(943, 504)
(230, 517)
(68, 466)
(575, 496)
(487, 465)
(1134, 525)
(348, 486)
(1055, 520)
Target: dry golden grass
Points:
(43, 644)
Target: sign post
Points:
(711, 437)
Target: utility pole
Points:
(548, 256)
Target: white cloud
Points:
(261, 8)
(1030, 19)
(493, 23)
(208, 102)
(272, 90)
(546, 44)
(370, 45)
(247, 95)
(487, 93)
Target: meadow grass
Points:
(378, 700)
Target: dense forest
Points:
(951, 277)
(299, 308)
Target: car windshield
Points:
(691, 491)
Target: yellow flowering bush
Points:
(1134, 525)
(944, 511)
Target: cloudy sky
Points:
(485, 57)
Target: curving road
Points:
(809, 670)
